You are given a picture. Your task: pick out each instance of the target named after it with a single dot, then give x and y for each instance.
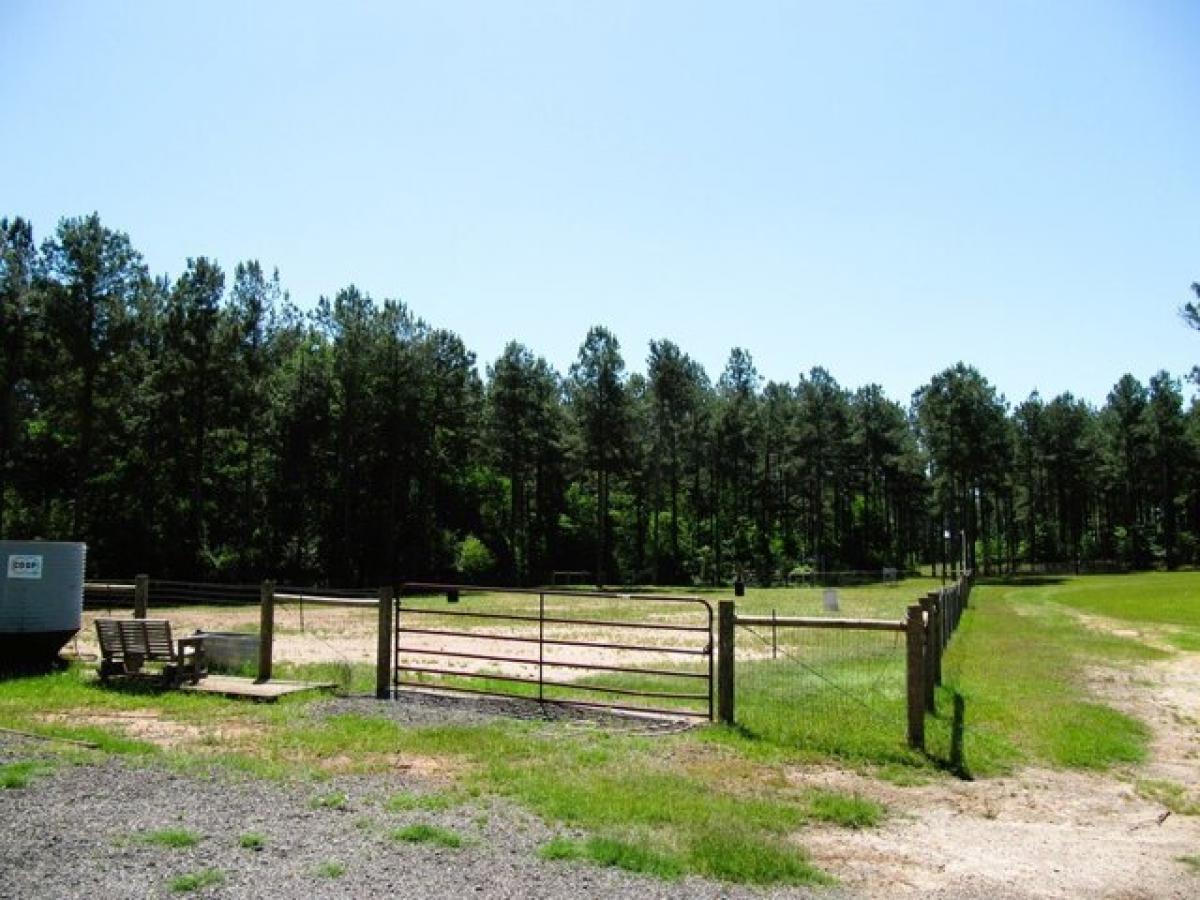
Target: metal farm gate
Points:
(650, 653)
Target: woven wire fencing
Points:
(837, 691)
(327, 635)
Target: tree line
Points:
(205, 427)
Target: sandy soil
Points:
(324, 634)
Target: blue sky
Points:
(881, 189)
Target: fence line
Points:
(928, 626)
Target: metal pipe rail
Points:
(305, 599)
(511, 617)
(422, 661)
(429, 587)
(560, 642)
(108, 587)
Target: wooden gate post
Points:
(726, 622)
(915, 676)
(383, 649)
(141, 596)
(266, 630)
(933, 650)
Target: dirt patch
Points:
(427, 768)
(149, 725)
(1040, 833)
(1165, 695)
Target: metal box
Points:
(41, 599)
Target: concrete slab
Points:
(231, 686)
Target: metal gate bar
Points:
(552, 642)
(453, 593)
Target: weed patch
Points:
(176, 838)
(1172, 795)
(17, 775)
(336, 800)
(431, 802)
(427, 834)
(847, 810)
(194, 881)
(331, 869)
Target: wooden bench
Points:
(126, 645)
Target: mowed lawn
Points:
(1170, 600)
(1022, 655)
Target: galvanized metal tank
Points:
(41, 599)
(229, 651)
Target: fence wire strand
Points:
(811, 687)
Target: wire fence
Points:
(834, 684)
(831, 690)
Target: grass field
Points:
(713, 801)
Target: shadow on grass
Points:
(955, 762)
(11, 671)
(1020, 581)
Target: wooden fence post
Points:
(915, 676)
(266, 630)
(383, 649)
(141, 596)
(726, 622)
(933, 650)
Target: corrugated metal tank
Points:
(41, 599)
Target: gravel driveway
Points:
(76, 832)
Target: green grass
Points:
(422, 833)
(1162, 598)
(430, 802)
(695, 805)
(176, 838)
(562, 848)
(1188, 641)
(847, 810)
(730, 857)
(616, 853)
(1020, 660)
(849, 707)
(17, 775)
(1192, 862)
(350, 678)
(331, 869)
(194, 881)
(336, 800)
(252, 841)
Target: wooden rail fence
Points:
(928, 626)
